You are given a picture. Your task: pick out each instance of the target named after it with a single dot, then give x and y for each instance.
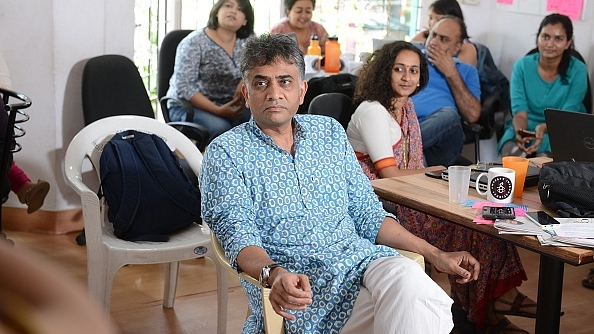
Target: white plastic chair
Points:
(106, 254)
(273, 322)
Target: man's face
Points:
(445, 36)
(273, 93)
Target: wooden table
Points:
(430, 196)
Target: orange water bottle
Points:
(332, 56)
(314, 48)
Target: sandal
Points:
(516, 307)
(36, 195)
(504, 326)
(588, 281)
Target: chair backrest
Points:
(335, 105)
(112, 85)
(89, 142)
(492, 80)
(588, 98)
(338, 83)
(165, 65)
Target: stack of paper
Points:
(569, 232)
(520, 225)
(573, 231)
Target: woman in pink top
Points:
(298, 20)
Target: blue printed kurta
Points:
(314, 213)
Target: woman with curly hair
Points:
(385, 134)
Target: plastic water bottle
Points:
(332, 56)
(314, 48)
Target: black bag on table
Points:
(147, 192)
(568, 188)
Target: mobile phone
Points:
(542, 218)
(436, 174)
(526, 134)
(493, 212)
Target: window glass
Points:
(355, 22)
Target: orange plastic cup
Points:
(520, 165)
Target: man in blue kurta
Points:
(453, 93)
(286, 197)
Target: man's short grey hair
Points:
(268, 49)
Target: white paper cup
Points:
(459, 181)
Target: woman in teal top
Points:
(549, 78)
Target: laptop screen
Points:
(571, 135)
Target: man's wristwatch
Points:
(265, 274)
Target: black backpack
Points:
(146, 190)
(568, 188)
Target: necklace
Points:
(397, 114)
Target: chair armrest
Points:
(196, 132)
(418, 258)
(273, 323)
(185, 103)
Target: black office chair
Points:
(484, 128)
(494, 96)
(338, 83)
(111, 86)
(165, 67)
(335, 105)
(12, 104)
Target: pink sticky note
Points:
(519, 212)
(482, 221)
(571, 8)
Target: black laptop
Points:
(571, 135)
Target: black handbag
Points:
(568, 188)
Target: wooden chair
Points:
(274, 323)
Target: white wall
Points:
(45, 41)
